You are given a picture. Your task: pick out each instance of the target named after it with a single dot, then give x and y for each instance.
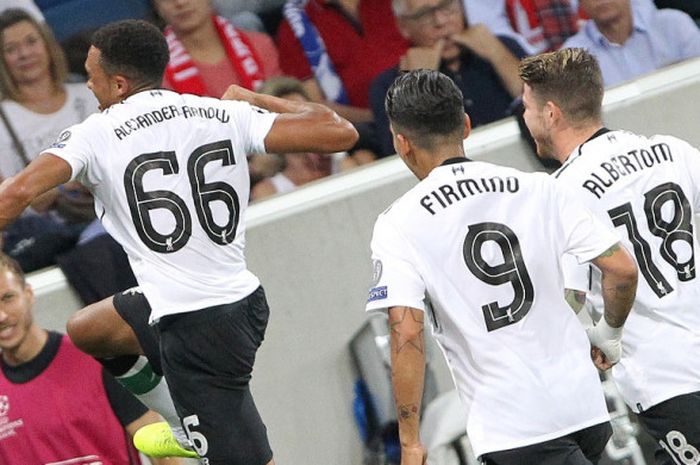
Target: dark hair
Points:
(133, 48)
(571, 78)
(57, 60)
(427, 105)
(10, 264)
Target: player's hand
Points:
(235, 92)
(414, 455)
(479, 39)
(607, 339)
(422, 57)
(600, 360)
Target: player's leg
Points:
(675, 425)
(115, 330)
(100, 331)
(583, 447)
(208, 359)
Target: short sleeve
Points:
(576, 275)
(253, 124)
(75, 147)
(395, 280)
(585, 236)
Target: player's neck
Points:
(572, 137)
(28, 349)
(427, 161)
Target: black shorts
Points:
(675, 425)
(583, 447)
(133, 307)
(208, 358)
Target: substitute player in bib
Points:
(170, 180)
(464, 241)
(648, 189)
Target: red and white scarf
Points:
(183, 74)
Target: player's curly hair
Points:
(571, 78)
(133, 48)
(427, 105)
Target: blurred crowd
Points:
(343, 53)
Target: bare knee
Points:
(81, 330)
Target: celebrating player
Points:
(647, 189)
(170, 180)
(462, 250)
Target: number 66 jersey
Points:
(171, 184)
(648, 189)
(483, 244)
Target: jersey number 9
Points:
(512, 271)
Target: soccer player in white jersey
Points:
(171, 184)
(462, 250)
(648, 189)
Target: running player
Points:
(170, 180)
(462, 250)
(648, 190)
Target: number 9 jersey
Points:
(648, 189)
(483, 243)
(170, 178)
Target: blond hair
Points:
(570, 78)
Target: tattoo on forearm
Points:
(407, 411)
(624, 296)
(611, 250)
(575, 299)
(403, 341)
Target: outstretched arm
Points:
(407, 374)
(17, 192)
(301, 126)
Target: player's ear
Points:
(467, 126)
(122, 86)
(401, 143)
(551, 112)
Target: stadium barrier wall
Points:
(310, 249)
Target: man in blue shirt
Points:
(629, 42)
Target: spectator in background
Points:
(37, 105)
(58, 404)
(537, 25)
(691, 7)
(207, 54)
(629, 42)
(246, 14)
(484, 66)
(27, 5)
(297, 168)
(336, 48)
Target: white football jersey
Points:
(482, 244)
(648, 189)
(170, 179)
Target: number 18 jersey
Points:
(171, 185)
(483, 244)
(648, 189)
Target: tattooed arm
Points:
(407, 373)
(575, 299)
(619, 286)
(619, 283)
